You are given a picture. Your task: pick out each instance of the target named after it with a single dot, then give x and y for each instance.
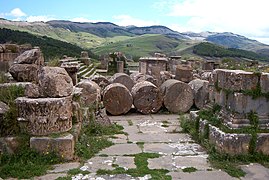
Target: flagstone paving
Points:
(159, 134)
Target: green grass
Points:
(138, 46)
(3, 78)
(189, 169)
(141, 162)
(76, 171)
(26, 163)
(9, 125)
(94, 137)
(141, 145)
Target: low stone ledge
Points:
(64, 145)
(229, 143)
(262, 144)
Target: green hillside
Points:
(82, 39)
(212, 50)
(50, 47)
(143, 45)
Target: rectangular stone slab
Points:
(64, 146)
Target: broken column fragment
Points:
(178, 96)
(147, 97)
(117, 99)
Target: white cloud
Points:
(39, 18)
(126, 20)
(246, 17)
(17, 12)
(82, 19)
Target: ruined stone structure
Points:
(47, 109)
(9, 52)
(209, 65)
(234, 91)
(173, 61)
(184, 73)
(72, 70)
(120, 67)
(48, 106)
(153, 66)
(26, 66)
(84, 58)
(243, 98)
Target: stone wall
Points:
(240, 93)
(231, 143)
(153, 66)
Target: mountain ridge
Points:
(93, 35)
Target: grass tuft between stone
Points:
(141, 162)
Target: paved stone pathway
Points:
(154, 134)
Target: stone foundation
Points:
(233, 91)
(231, 143)
(63, 146)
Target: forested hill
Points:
(50, 47)
(213, 50)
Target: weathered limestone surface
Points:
(32, 91)
(165, 75)
(100, 80)
(120, 66)
(206, 76)
(264, 82)
(26, 66)
(177, 95)
(72, 69)
(139, 77)
(117, 99)
(123, 79)
(147, 97)
(236, 80)
(262, 144)
(55, 82)
(229, 143)
(63, 146)
(153, 66)
(3, 109)
(184, 73)
(230, 87)
(220, 98)
(24, 72)
(201, 98)
(19, 84)
(33, 56)
(77, 112)
(43, 116)
(91, 92)
(241, 103)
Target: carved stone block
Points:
(43, 116)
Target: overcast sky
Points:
(245, 17)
